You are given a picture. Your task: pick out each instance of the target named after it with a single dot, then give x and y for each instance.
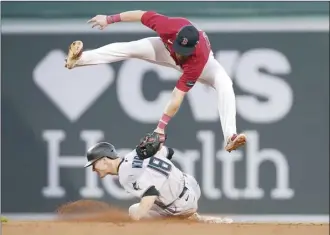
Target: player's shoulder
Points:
(127, 162)
(131, 154)
(163, 152)
(126, 174)
(131, 167)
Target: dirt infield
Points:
(100, 218)
(158, 228)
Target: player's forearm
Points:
(127, 16)
(144, 206)
(171, 108)
(131, 16)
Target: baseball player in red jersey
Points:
(181, 46)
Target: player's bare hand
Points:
(99, 21)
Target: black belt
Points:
(184, 190)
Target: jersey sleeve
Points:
(188, 78)
(157, 22)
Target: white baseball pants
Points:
(153, 50)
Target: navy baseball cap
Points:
(186, 40)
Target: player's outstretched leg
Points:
(227, 110)
(140, 49)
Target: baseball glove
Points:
(150, 144)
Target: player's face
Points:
(181, 58)
(100, 168)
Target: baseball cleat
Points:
(75, 51)
(235, 142)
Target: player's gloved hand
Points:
(150, 144)
(161, 133)
(100, 21)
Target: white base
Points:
(236, 218)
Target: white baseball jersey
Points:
(177, 191)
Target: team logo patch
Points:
(190, 83)
(184, 41)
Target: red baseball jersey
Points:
(167, 29)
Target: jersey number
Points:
(137, 162)
(160, 166)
